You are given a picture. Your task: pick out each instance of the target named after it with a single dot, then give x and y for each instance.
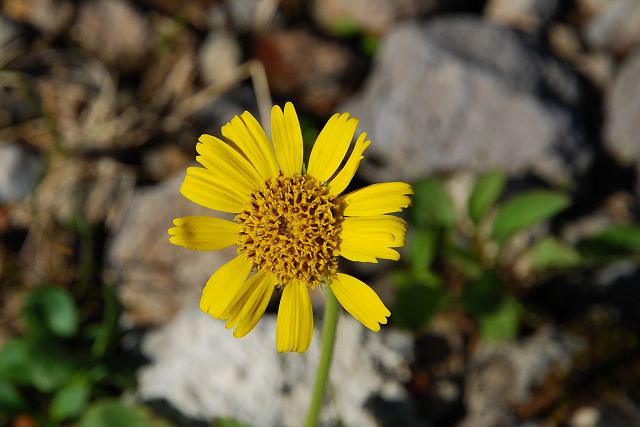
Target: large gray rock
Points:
(461, 93)
(201, 370)
(622, 134)
(19, 172)
(615, 27)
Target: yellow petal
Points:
(338, 184)
(366, 238)
(247, 134)
(225, 162)
(206, 189)
(360, 301)
(287, 138)
(294, 326)
(249, 304)
(377, 199)
(203, 233)
(331, 146)
(223, 286)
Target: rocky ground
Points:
(101, 102)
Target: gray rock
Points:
(460, 93)
(504, 374)
(623, 113)
(19, 172)
(616, 27)
(8, 31)
(202, 371)
(610, 412)
(52, 17)
(115, 32)
(219, 57)
(154, 277)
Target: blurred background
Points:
(515, 302)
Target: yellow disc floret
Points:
(291, 227)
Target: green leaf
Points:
(14, 361)
(485, 192)
(432, 205)
(10, 399)
(228, 422)
(114, 414)
(550, 253)
(344, 27)
(525, 210)
(621, 236)
(483, 295)
(464, 261)
(50, 365)
(416, 305)
(51, 308)
(422, 246)
(503, 323)
(69, 402)
(369, 43)
(107, 333)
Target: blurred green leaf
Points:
(550, 253)
(369, 43)
(483, 295)
(69, 402)
(14, 361)
(10, 399)
(432, 205)
(107, 333)
(615, 242)
(50, 365)
(503, 323)
(228, 422)
(344, 27)
(464, 261)
(416, 305)
(114, 414)
(485, 192)
(53, 309)
(621, 236)
(525, 210)
(422, 249)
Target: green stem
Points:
(324, 365)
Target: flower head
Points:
(290, 224)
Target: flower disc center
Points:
(291, 228)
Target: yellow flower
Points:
(289, 224)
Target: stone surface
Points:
(115, 32)
(623, 113)
(616, 27)
(369, 16)
(154, 277)
(201, 370)
(436, 101)
(502, 375)
(219, 57)
(8, 31)
(319, 73)
(610, 412)
(528, 15)
(19, 172)
(50, 17)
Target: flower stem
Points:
(324, 365)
